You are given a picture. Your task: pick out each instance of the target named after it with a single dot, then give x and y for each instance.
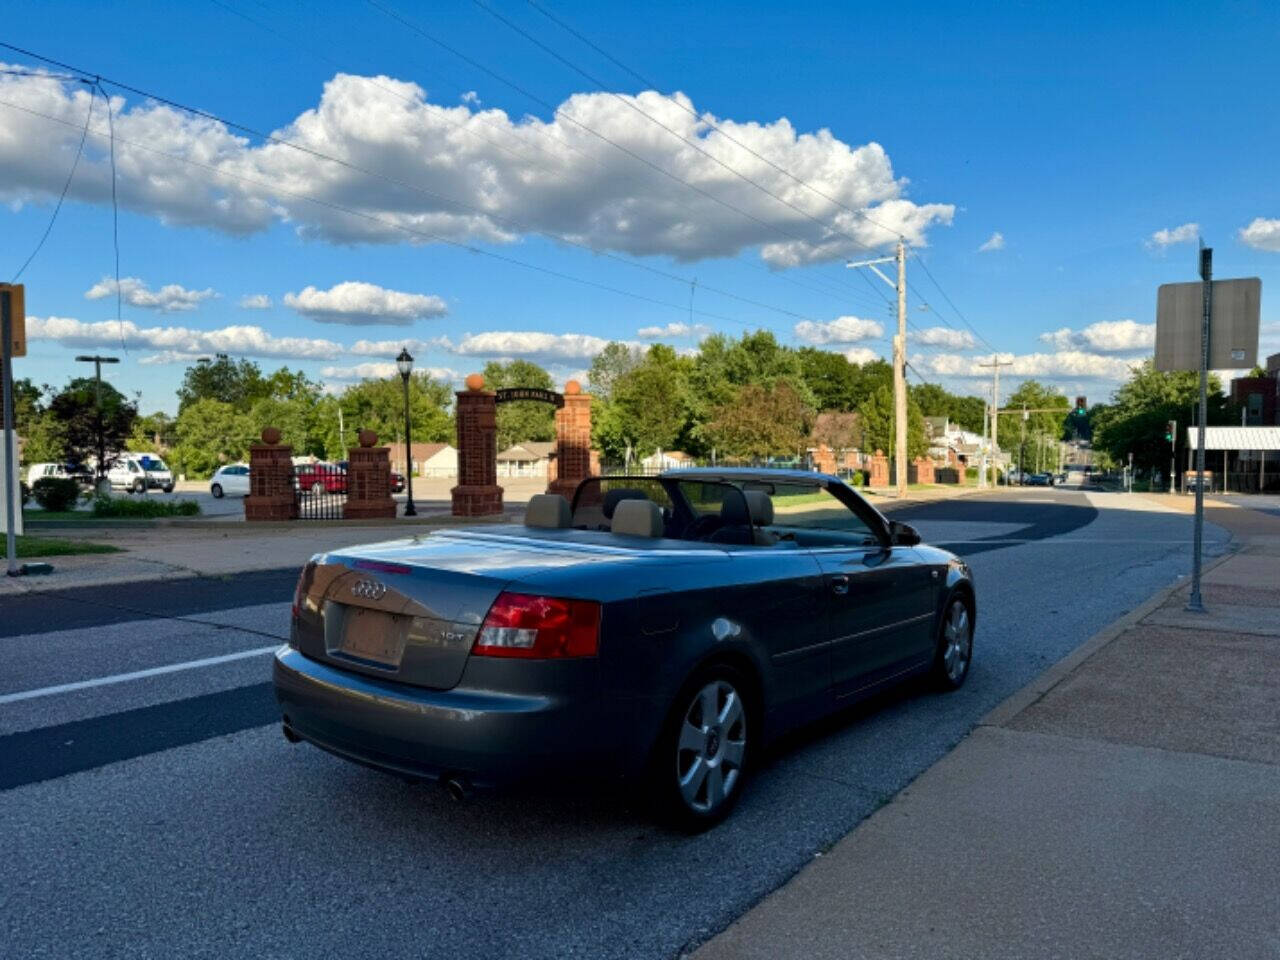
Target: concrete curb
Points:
(241, 526)
(1020, 700)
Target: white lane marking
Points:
(136, 675)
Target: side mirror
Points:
(903, 534)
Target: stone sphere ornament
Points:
(271, 436)
(475, 382)
(367, 438)
(572, 388)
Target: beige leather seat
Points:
(548, 510)
(760, 506)
(637, 518)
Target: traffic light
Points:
(1170, 430)
(1080, 405)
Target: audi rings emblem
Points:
(369, 589)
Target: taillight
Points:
(520, 625)
(299, 589)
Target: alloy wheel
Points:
(957, 632)
(711, 747)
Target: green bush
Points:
(856, 479)
(56, 493)
(144, 509)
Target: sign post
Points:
(1195, 602)
(9, 346)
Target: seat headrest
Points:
(637, 518)
(615, 497)
(733, 510)
(761, 507)
(548, 510)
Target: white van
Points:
(38, 471)
(140, 472)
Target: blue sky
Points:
(1075, 132)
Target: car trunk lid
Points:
(409, 610)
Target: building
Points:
(1237, 459)
(532, 458)
(661, 460)
(1259, 397)
(429, 459)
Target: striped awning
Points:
(1236, 438)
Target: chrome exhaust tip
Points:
(458, 788)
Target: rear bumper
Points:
(489, 737)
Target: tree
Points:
(378, 405)
(762, 421)
(521, 419)
(935, 401)
(877, 415)
(153, 432)
(235, 382)
(1035, 439)
(609, 365)
(210, 433)
(838, 430)
(42, 436)
(649, 409)
(1134, 422)
(87, 429)
(832, 379)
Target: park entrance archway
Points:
(477, 493)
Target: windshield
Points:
(152, 464)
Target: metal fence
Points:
(320, 490)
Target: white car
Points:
(39, 471)
(231, 480)
(140, 472)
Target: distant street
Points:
(165, 815)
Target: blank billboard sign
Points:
(1233, 324)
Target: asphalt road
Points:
(165, 815)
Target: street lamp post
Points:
(97, 362)
(404, 363)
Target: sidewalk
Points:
(1125, 804)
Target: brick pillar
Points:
(879, 470)
(368, 481)
(271, 495)
(924, 470)
(477, 493)
(573, 441)
(824, 459)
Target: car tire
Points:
(216, 490)
(954, 654)
(317, 488)
(168, 488)
(698, 766)
(139, 486)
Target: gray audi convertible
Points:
(661, 628)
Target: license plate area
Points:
(370, 636)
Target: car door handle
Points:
(840, 585)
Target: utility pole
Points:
(97, 362)
(996, 363)
(899, 359)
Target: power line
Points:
(962, 317)
(115, 216)
(65, 187)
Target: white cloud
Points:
(256, 301)
(471, 97)
(384, 371)
(943, 337)
(993, 242)
(531, 345)
(1262, 234)
(839, 330)
(171, 298)
(1106, 336)
(179, 344)
(356, 304)
(1187, 233)
(1061, 364)
(861, 355)
(470, 168)
(698, 330)
(392, 348)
